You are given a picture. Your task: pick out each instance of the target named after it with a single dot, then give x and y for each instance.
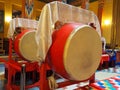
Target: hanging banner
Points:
(29, 4)
(85, 4)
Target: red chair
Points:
(104, 60)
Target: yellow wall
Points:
(9, 5)
(94, 7)
(107, 15)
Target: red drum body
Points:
(75, 52)
(25, 45)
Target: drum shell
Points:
(57, 49)
(17, 41)
(56, 52)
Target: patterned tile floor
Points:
(99, 75)
(112, 83)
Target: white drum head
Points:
(28, 46)
(82, 53)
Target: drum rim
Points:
(67, 45)
(20, 45)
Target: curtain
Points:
(115, 37)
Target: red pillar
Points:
(100, 10)
(23, 8)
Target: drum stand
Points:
(69, 82)
(17, 71)
(12, 68)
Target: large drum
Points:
(25, 45)
(75, 52)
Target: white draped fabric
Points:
(21, 22)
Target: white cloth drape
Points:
(21, 22)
